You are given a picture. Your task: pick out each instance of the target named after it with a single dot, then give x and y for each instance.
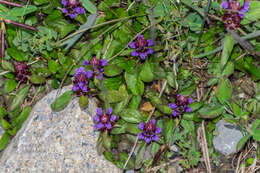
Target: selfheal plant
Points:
(21, 71)
(97, 66)
(142, 47)
(72, 8)
(80, 81)
(181, 105)
(104, 121)
(149, 131)
(234, 13)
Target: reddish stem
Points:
(2, 40)
(21, 25)
(11, 3)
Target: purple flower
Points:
(234, 13)
(104, 121)
(72, 8)
(149, 131)
(97, 67)
(142, 47)
(21, 71)
(181, 105)
(85, 62)
(80, 81)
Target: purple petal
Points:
(241, 15)
(174, 113)
(150, 51)
(75, 88)
(141, 36)
(98, 126)
(78, 10)
(158, 130)
(64, 10)
(189, 100)
(64, 2)
(140, 136)
(172, 105)
(132, 45)
(188, 109)
(224, 4)
(82, 11)
(81, 69)
(143, 56)
(84, 89)
(155, 138)
(150, 42)
(99, 111)
(96, 118)
(147, 140)
(135, 53)
(153, 121)
(247, 5)
(103, 62)
(89, 74)
(85, 62)
(108, 125)
(101, 69)
(113, 118)
(109, 111)
(99, 77)
(80, 84)
(73, 15)
(141, 126)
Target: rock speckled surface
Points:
(228, 137)
(60, 142)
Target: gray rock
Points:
(228, 137)
(1, 130)
(60, 142)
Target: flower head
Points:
(149, 131)
(142, 47)
(22, 72)
(98, 67)
(104, 120)
(80, 81)
(72, 8)
(234, 13)
(181, 105)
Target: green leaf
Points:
(132, 128)
(170, 79)
(242, 142)
(18, 99)
(83, 102)
(17, 11)
(2, 112)
(228, 47)
(7, 66)
(135, 102)
(224, 91)
(4, 140)
(40, 2)
(168, 125)
(123, 157)
(211, 112)
(114, 96)
(18, 122)
(196, 105)
(112, 70)
(15, 54)
(228, 70)
(146, 73)
(237, 110)
(253, 14)
(134, 83)
(131, 116)
(110, 156)
(256, 134)
(5, 124)
(106, 140)
(10, 85)
(89, 6)
(53, 66)
(118, 129)
(140, 155)
(36, 79)
(62, 101)
(42, 71)
(120, 106)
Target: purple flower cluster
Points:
(97, 67)
(234, 13)
(149, 131)
(181, 105)
(104, 121)
(142, 47)
(21, 71)
(72, 8)
(80, 82)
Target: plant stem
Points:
(2, 40)
(11, 3)
(20, 25)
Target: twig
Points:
(205, 150)
(20, 24)
(238, 163)
(11, 3)
(2, 39)
(156, 168)
(150, 115)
